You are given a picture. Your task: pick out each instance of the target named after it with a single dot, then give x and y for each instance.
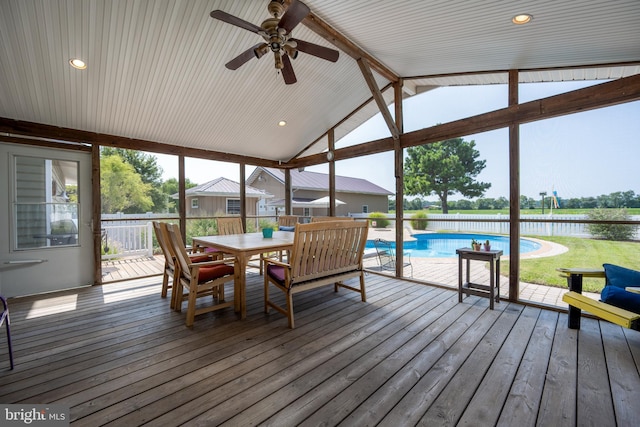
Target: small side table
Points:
(492, 291)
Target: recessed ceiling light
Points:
(78, 63)
(522, 19)
(282, 123)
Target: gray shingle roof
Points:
(224, 187)
(320, 181)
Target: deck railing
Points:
(127, 240)
(129, 235)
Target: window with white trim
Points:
(194, 203)
(233, 206)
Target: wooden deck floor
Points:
(411, 355)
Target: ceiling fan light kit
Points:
(276, 32)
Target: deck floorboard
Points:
(117, 355)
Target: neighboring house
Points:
(222, 196)
(354, 195)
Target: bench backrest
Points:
(325, 248)
(331, 218)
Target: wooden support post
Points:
(332, 173)
(96, 214)
(514, 194)
(182, 199)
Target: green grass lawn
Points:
(585, 253)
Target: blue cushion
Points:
(286, 228)
(620, 277)
(620, 298)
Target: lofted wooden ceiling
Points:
(156, 68)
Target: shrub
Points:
(380, 219)
(201, 227)
(419, 221)
(610, 231)
(266, 223)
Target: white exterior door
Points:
(45, 220)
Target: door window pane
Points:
(45, 203)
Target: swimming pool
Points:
(444, 245)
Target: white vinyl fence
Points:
(130, 235)
(469, 223)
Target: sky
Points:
(586, 154)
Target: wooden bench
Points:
(578, 302)
(323, 253)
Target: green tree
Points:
(147, 167)
(170, 187)
(501, 203)
(486, 204)
(464, 205)
(589, 202)
(444, 168)
(122, 188)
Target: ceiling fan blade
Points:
(317, 50)
(295, 13)
(234, 20)
(245, 56)
(287, 71)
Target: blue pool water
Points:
(444, 245)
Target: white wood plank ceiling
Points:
(156, 67)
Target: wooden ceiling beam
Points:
(377, 96)
(38, 130)
(46, 143)
(327, 32)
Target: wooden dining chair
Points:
(287, 220)
(286, 223)
(169, 261)
(199, 279)
(169, 275)
(226, 226)
(230, 225)
(233, 225)
(4, 319)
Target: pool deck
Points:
(444, 271)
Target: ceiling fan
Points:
(277, 36)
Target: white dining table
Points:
(243, 247)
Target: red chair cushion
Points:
(200, 258)
(214, 272)
(276, 272)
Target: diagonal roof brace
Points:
(377, 96)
